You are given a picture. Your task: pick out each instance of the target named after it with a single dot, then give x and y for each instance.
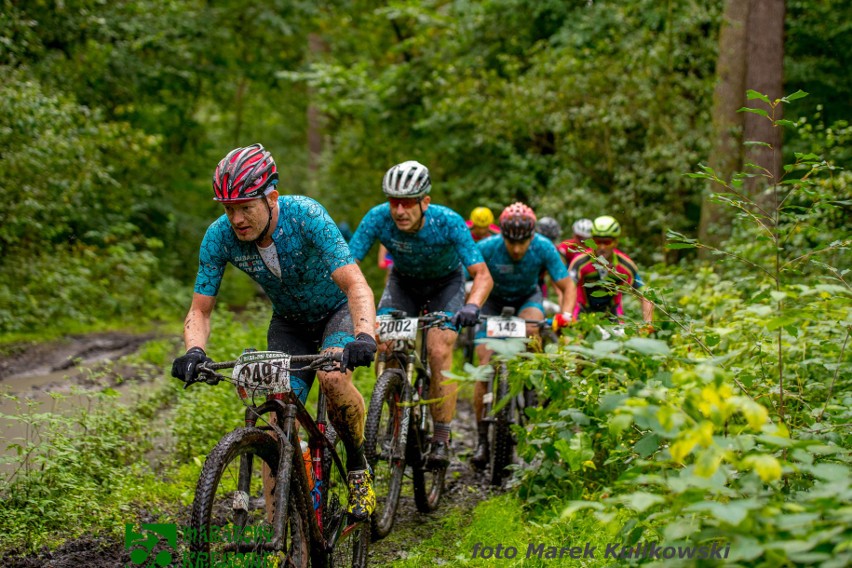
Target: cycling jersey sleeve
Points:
(212, 259)
(575, 266)
(323, 234)
(553, 262)
(366, 233)
(467, 250)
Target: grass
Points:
(502, 521)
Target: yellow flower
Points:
(767, 467)
(680, 449)
(754, 412)
(704, 434)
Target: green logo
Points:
(143, 542)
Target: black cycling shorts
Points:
(413, 296)
(308, 338)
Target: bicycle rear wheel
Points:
(428, 483)
(499, 433)
(349, 542)
(229, 517)
(385, 449)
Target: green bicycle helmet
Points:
(606, 226)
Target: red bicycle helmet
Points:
(517, 222)
(244, 174)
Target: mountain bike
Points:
(501, 407)
(399, 425)
(303, 456)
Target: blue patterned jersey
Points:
(436, 250)
(310, 247)
(513, 280)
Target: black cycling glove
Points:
(185, 367)
(467, 316)
(358, 353)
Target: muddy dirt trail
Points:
(31, 366)
(464, 489)
(34, 371)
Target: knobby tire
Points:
(385, 449)
(428, 484)
(216, 489)
(499, 431)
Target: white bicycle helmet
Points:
(407, 180)
(583, 228)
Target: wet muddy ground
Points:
(464, 489)
(27, 367)
(37, 370)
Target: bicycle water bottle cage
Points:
(508, 311)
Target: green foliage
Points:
(220, 407)
(736, 430)
(517, 100)
(77, 471)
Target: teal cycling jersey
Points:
(436, 250)
(309, 246)
(514, 280)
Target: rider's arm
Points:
(196, 326)
(562, 288)
(647, 310)
(482, 283)
(569, 297)
(362, 307)
(366, 234)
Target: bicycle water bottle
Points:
(306, 456)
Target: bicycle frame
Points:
(500, 408)
(406, 439)
(290, 414)
(411, 359)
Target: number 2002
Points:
(395, 326)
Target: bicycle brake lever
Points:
(191, 382)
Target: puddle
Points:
(54, 378)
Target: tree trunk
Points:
(765, 74)
(316, 48)
(728, 97)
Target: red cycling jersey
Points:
(589, 276)
(571, 249)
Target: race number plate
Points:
(265, 371)
(500, 327)
(391, 328)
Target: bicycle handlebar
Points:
(316, 362)
(540, 323)
(428, 320)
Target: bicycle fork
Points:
(283, 479)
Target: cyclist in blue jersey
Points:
(429, 244)
(515, 259)
(320, 299)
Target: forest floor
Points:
(34, 369)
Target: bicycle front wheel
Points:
(229, 517)
(428, 483)
(499, 432)
(385, 449)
